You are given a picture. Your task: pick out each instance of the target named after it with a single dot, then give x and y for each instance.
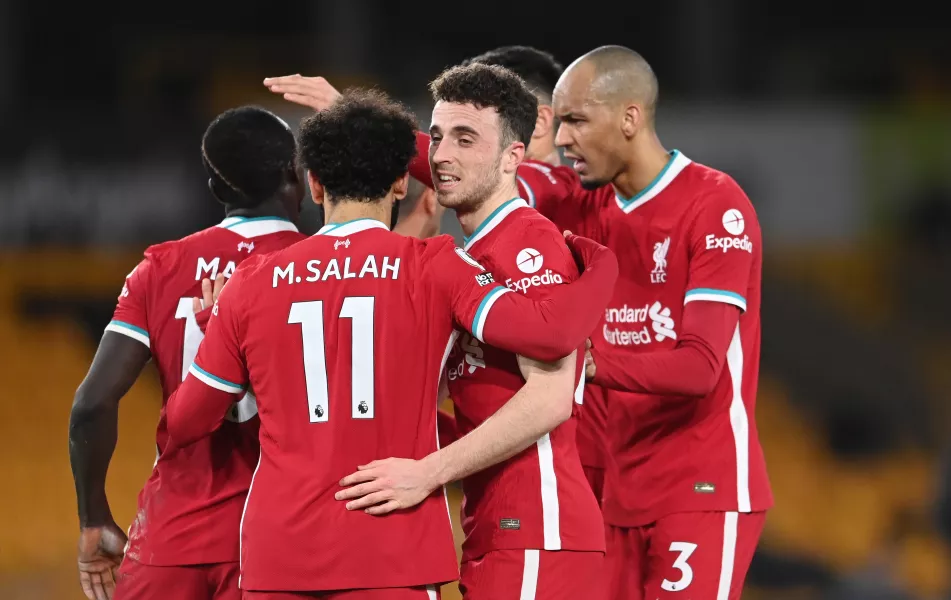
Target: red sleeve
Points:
(692, 368)
(419, 166)
(543, 329)
(725, 243)
(130, 317)
(548, 189)
(216, 377)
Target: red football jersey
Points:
(539, 498)
(692, 235)
(343, 338)
(189, 509)
(556, 192)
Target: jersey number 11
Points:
(310, 316)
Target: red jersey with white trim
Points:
(556, 193)
(190, 507)
(691, 236)
(343, 338)
(539, 498)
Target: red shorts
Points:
(137, 581)
(595, 477)
(533, 575)
(429, 592)
(707, 553)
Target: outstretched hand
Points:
(312, 92)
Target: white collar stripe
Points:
(351, 227)
(494, 219)
(673, 168)
(255, 227)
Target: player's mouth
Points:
(577, 163)
(445, 181)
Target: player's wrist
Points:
(437, 467)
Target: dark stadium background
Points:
(835, 118)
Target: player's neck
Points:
(269, 208)
(647, 160)
(470, 221)
(344, 212)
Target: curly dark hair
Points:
(491, 86)
(247, 153)
(538, 68)
(359, 146)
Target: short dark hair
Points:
(359, 146)
(247, 152)
(491, 86)
(538, 68)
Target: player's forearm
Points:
(93, 421)
(194, 411)
(551, 328)
(532, 412)
(93, 431)
(419, 167)
(684, 371)
(692, 368)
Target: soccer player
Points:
(554, 190)
(561, 199)
(343, 337)
(184, 541)
(531, 522)
(686, 488)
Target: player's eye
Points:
(434, 139)
(464, 141)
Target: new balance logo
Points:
(249, 246)
(345, 243)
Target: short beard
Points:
(474, 198)
(593, 184)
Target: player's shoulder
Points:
(432, 247)
(715, 195)
(709, 183)
(530, 238)
(532, 226)
(192, 243)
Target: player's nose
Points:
(562, 137)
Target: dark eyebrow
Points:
(465, 129)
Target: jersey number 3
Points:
(310, 316)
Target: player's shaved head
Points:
(619, 75)
(606, 101)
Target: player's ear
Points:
(631, 120)
(400, 187)
(316, 189)
(544, 122)
(512, 157)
